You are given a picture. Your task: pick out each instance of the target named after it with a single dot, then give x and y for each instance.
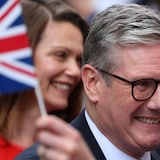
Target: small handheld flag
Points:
(16, 68)
(17, 71)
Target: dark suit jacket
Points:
(81, 124)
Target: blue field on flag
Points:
(17, 71)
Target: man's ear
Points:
(90, 81)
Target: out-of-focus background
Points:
(88, 8)
(102, 4)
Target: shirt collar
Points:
(109, 150)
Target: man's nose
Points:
(154, 101)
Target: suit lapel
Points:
(155, 154)
(81, 124)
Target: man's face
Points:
(133, 126)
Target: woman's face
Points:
(57, 60)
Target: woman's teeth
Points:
(62, 86)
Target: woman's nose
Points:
(73, 68)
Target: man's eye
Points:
(143, 85)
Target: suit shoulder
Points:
(29, 154)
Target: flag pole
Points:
(41, 103)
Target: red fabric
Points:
(9, 151)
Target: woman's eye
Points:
(61, 55)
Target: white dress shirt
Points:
(110, 151)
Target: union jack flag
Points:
(16, 68)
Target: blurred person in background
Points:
(56, 33)
(154, 4)
(85, 8)
(100, 5)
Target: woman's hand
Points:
(60, 141)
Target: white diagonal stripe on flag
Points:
(18, 76)
(16, 54)
(11, 16)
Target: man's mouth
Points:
(148, 120)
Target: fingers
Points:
(55, 125)
(60, 141)
(66, 143)
(50, 154)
